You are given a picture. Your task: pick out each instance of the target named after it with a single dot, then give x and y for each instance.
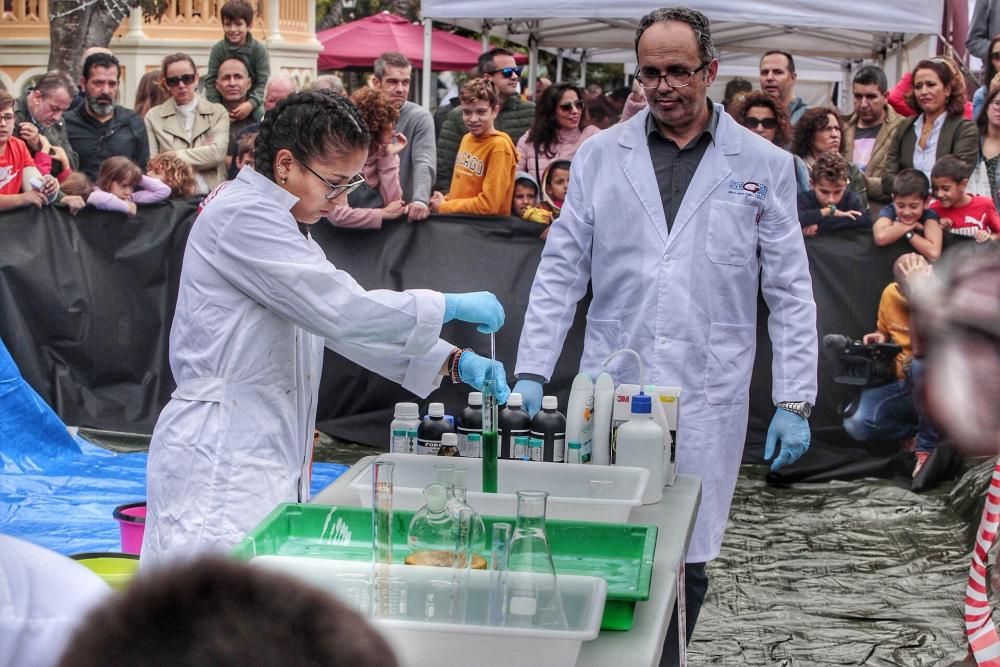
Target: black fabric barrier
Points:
(86, 302)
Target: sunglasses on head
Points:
(174, 81)
(508, 72)
(569, 106)
(766, 123)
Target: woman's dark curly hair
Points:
(544, 131)
(311, 124)
(812, 122)
(763, 100)
(378, 112)
(948, 73)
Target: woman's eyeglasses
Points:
(507, 72)
(336, 190)
(766, 123)
(174, 81)
(569, 106)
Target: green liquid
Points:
(490, 461)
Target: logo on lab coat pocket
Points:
(748, 189)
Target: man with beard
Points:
(99, 128)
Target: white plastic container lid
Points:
(449, 439)
(407, 411)
(475, 398)
(435, 409)
(515, 400)
(549, 403)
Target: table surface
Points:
(674, 518)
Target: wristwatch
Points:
(908, 235)
(833, 209)
(801, 408)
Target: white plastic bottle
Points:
(579, 417)
(405, 420)
(640, 444)
(604, 397)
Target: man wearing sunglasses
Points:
(99, 128)
(868, 131)
(676, 218)
(515, 116)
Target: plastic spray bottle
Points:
(579, 417)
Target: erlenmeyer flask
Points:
(532, 589)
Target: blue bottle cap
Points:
(642, 404)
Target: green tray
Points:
(621, 554)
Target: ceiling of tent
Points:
(804, 27)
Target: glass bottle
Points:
(431, 536)
(532, 598)
(477, 533)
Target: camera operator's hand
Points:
(792, 431)
(875, 338)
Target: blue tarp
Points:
(60, 491)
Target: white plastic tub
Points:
(418, 591)
(572, 495)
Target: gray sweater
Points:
(985, 24)
(418, 161)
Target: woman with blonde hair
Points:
(188, 126)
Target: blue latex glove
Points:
(531, 393)
(792, 431)
(473, 370)
(480, 308)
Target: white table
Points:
(674, 518)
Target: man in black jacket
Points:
(99, 128)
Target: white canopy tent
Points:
(858, 30)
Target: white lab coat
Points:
(257, 302)
(686, 302)
(43, 598)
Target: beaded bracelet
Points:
(453, 360)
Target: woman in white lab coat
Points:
(258, 301)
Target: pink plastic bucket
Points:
(132, 524)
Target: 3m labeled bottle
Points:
(549, 426)
(431, 429)
(470, 421)
(514, 421)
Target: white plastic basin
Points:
(418, 642)
(578, 492)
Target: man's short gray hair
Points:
(390, 59)
(697, 21)
(330, 82)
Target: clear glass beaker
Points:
(532, 597)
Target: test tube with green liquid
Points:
(490, 446)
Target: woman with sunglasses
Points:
(991, 66)
(760, 114)
(189, 126)
(558, 130)
(257, 303)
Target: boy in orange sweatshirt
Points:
(483, 180)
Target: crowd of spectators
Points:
(908, 162)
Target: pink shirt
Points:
(567, 143)
(379, 172)
(153, 190)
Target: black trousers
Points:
(695, 587)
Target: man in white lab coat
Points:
(677, 217)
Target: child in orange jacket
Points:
(483, 180)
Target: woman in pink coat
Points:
(558, 129)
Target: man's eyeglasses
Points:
(766, 123)
(569, 106)
(336, 190)
(676, 77)
(507, 72)
(174, 81)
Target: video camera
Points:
(860, 365)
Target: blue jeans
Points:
(894, 411)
